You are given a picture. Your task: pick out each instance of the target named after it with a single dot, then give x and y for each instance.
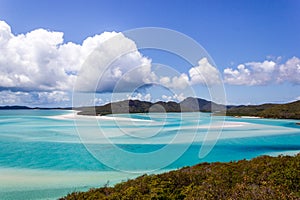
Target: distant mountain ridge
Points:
(30, 108)
(280, 111)
(191, 104)
(14, 108)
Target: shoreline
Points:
(84, 181)
(74, 115)
(217, 170)
(245, 117)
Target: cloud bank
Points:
(263, 73)
(41, 61)
(34, 98)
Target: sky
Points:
(46, 49)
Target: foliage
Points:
(190, 104)
(261, 178)
(284, 111)
(280, 111)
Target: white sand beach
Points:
(74, 115)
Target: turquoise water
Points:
(42, 155)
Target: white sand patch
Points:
(248, 117)
(26, 179)
(74, 115)
(218, 125)
(71, 115)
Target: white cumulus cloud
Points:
(290, 71)
(140, 96)
(33, 98)
(41, 60)
(262, 73)
(174, 97)
(252, 73)
(204, 73)
(179, 82)
(116, 65)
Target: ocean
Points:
(46, 154)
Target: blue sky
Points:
(233, 32)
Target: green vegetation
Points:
(279, 111)
(261, 178)
(284, 111)
(190, 104)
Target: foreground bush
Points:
(261, 178)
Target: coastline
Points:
(246, 117)
(74, 115)
(52, 184)
(219, 178)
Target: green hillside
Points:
(280, 111)
(261, 178)
(284, 111)
(190, 104)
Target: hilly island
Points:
(191, 104)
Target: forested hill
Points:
(190, 104)
(280, 111)
(265, 178)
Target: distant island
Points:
(277, 111)
(32, 108)
(264, 177)
(191, 104)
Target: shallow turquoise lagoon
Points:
(45, 154)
